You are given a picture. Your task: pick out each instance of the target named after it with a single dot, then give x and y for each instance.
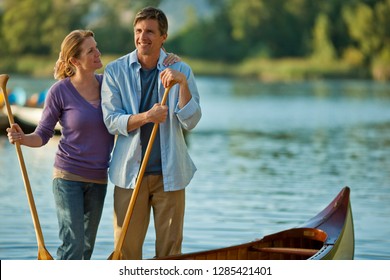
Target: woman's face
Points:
(89, 59)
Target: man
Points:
(132, 88)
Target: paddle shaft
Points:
(116, 255)
(38, 231)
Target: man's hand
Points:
(158, 113)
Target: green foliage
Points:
(381, 65)
(279, 28)
(353, 32)
(22, 23)
(108, 27)
(39, 27)
(368, 26)
(209, 39)
(323, 48)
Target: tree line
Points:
(354, 31)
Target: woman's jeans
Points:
(79, 209)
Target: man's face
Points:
(147, 37)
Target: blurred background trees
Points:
(354, 31)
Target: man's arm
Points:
(170, 77)
(157, 114)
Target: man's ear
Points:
(165, 37)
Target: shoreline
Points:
(267, 70)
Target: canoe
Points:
(327, 236)
(3, 122)
(3, 115)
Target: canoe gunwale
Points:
(321, 237)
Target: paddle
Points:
(43, 254)
(117, 254)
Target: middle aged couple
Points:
(124, 102)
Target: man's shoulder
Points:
(120, 62)
(182, 67)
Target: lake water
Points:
(269, 157)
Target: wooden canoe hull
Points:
(328, 235)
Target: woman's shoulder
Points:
(59, 85)
(58, 89)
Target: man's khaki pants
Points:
(168, 213)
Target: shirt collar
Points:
(160, 65)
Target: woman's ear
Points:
(74, 62)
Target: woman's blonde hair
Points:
(70, 48)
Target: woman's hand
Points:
(171, 59)
(15, 134)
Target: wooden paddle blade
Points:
(43, 254)
(115, 256)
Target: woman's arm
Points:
(15, 133)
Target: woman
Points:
(81, 161)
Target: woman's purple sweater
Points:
(85, 145)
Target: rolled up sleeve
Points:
(115, 119)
